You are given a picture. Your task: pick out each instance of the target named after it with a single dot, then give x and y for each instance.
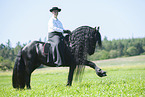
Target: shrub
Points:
(132, 51)
(113, 54)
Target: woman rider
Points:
(55, 36)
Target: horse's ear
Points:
(95, 28)
(98, 28)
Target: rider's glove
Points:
(67, 31)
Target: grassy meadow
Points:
(125, 77)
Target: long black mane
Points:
(83, 43)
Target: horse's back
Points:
(32, 44)
(31, 49)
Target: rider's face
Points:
(55, 12)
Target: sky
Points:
(25, 20)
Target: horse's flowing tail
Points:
(18, 77)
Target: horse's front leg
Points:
(99, 71)
(70, 75)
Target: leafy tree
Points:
(17, 48)
(143, 48)
(40, 39)
(1, 59)
(105, 39)
(2, 46)
(6, 64)
(45, 39)
(139, 48)
(120, 48)
(12, 55)
(107, 45)
(113, 53)
(9, 44)
(132, 51)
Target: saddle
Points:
(56, 54)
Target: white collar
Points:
(54, 18)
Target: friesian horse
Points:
(81, 42)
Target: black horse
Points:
(82, 42)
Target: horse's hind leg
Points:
(99, 71)
(29, 70)
(28, 81)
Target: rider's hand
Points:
(66, 31)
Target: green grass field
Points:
(125, 77)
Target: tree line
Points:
(119, 48)
(110, 49)
(8, 55)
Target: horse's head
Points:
(94, 38)
(83, 41)
(98, 37)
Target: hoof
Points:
(29, 87)
(68, 85)
(101, 73)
